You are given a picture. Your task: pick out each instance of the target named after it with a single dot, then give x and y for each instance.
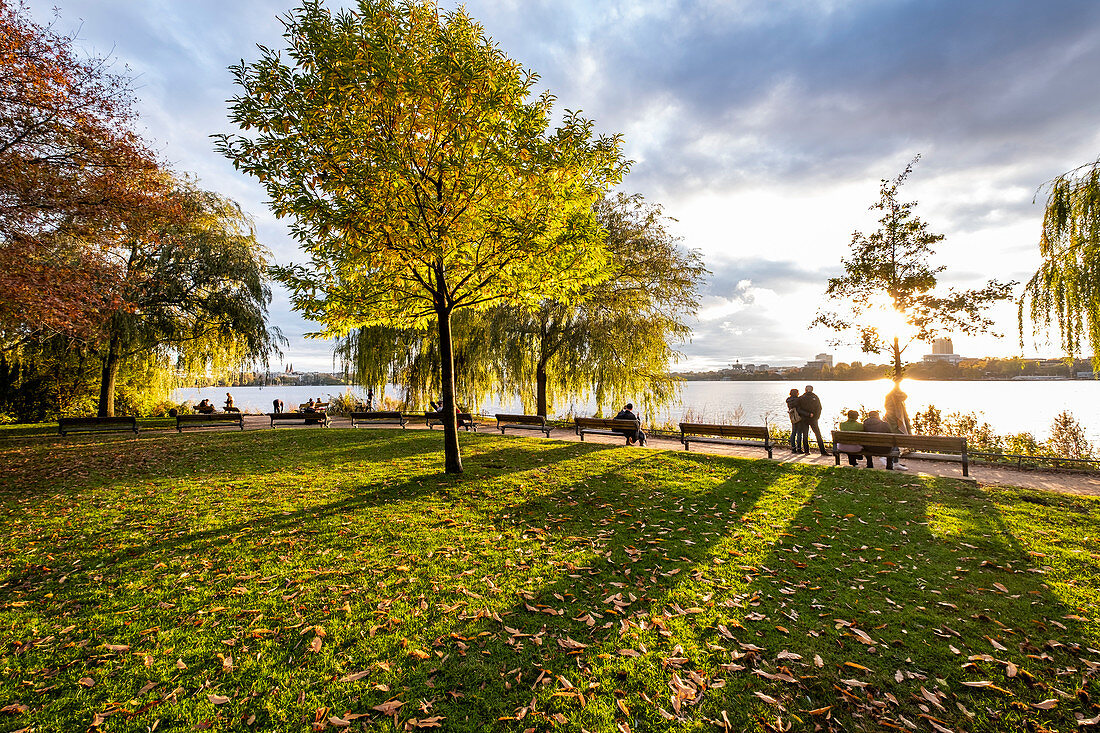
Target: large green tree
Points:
(617, 337)
(194, 290)
(419, 170)
(889, 296)
(1066, 288)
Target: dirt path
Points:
(1047, 480)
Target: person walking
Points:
(798, 424)
(810, 405)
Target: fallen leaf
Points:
(217, 699)
(355, 676)
(388, 708)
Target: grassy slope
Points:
(275, 579)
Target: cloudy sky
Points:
(762, 126)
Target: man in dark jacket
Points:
(632, 436)
(875, 424)
(810, 405)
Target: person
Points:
(852, 425)
(799, 426)
(370, 398)
(436, 407)
(632, 436)
(277, 406)
(875, 424)
(897, 417)
(810, 405)
(309, 405)
(205, 407)
(229, 403)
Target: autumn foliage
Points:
(73, 176)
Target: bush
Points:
(1068, 439)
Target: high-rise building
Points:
(943, 346)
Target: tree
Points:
(194, 288)
(420, 174)
(1066, 288)
(617, 336)
(889, 287)
(72, 174)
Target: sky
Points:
(763, 127)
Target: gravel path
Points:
(1087, 484)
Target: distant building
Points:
(820, 361)
(942, 351)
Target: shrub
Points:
(1068, 439)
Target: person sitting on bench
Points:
(853, 425)
(204, 407)
(632, 436)
(875, 424)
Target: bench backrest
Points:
(79, 422)
(601, 423)
(522, 419)
(377, 415)
(934, 443)
(724, 431)
(205, 416)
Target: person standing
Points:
(798, 424)
(810, 405)
(897, 417)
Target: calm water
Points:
(1010, 407)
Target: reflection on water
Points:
(1010, 407)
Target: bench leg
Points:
(836, 455)
(889, 463)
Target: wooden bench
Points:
(378, 417)
(465, 420)
(309, 418)
(210, 419)
(96, 424)
(933, 447)
(744, 435)
(523, 422)
(605, 426)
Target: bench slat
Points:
(96, 424)
(210, 419)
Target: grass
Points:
(334, 579)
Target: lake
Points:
(1010, 407)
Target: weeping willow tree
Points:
(194, 292)
(615, 339)
(1066, 289)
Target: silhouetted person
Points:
(632, 436)
(810, 405)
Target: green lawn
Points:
(289, 579)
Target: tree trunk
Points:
(452, 456)
(110, 374)
(540, 388)
(897, 361)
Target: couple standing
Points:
(805, 411)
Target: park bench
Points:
(96, 424)
(465, 420)
(933, 447)
(378, 417)
(523, 422)
(209, 419)
(604, 426)
(309, 418)
(743, 435)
